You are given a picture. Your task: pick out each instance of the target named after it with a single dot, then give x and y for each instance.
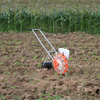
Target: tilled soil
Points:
(23, 78)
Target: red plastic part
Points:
(60, 63)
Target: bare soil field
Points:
(23, 78)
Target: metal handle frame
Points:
(48, 52)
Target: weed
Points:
(73, 94)
(83, 47)
(55, 73)
(18, 63)
(85, 58)
(92, 58)
(84, 74)
(25, 72)
(83, 82)
(58, 97)
(4, 49)
(35, 57)
(23, 57)
(98, 74)
(76, 59)
(1, 64)
(31, 82)
(67, 91)
(77, 74)
(40, 99)
(4, 72)
(37, 80)
(43, 58)
(63, 44)
(16, 98)
(34, 73)
(71, 58)
(81, 89)
(38, 65)
(26, 64)
(83, 35)
(13, 87)
(48, 99)
(2, 97)
(8, 73)
(5, 80)
(31, 50)
(15, 73)
(73, 74)
(48, 79)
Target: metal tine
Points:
(46, 58)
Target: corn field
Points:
(66, 21)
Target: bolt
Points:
(62, 53)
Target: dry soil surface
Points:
(23, 78)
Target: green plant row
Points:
(66, 21)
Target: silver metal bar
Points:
(41, 42)
(48, 41)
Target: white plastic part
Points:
(65, 51)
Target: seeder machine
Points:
(58, 60)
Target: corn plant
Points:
(8, 20)
(15, 20)
(70, 20)
(75, 20)
(20, 16)
(82, 20)
(31, 19)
